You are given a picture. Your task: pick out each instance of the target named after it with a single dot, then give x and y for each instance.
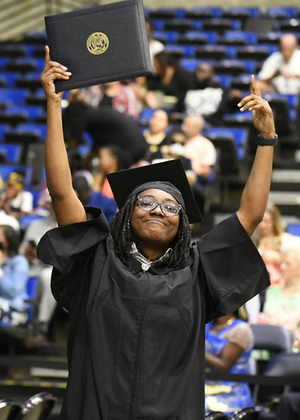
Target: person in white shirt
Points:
(7, 220)
(281, 71)
(14, 200)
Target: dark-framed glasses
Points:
(169, 208)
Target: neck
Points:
(152, 252)
(224, 322)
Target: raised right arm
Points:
(67, 207)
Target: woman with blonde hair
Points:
(271, 240)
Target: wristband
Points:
(264, 141)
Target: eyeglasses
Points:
(169, 208)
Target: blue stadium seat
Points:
(167, 13)
(250, 11)
(285, 108)
(38, 130)
(241, 82)
(14, 115)
(13, 96)
(3, 129)
(158, 24)
(189, 64)
(230, 66)
(255, 52)
(293, 228)
(211, 52)
(3, 62)
(205, 12)
(198, 38)
(145, 115)
(31, 111)
(9, 79)
(220, 25)
(11, 50)
(278, 12)
(250, 66)
(31, 289)
(247, 37)
(12, 152)
(7, 169)
(239, 135)
(180, 51)
(27, 219)
(224, 80)
(270, 38)
(22, 65)
(30, 81)
(181, 25)
(166, 37)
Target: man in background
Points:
(281, 71)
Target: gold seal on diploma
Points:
(97, 43)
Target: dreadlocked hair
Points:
(122, 236)
(182, 242)
(121, 230)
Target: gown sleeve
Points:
(233, 269)
(69, 250)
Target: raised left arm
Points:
(256, 192)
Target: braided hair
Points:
(123, 238)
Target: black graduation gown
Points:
(136, 338)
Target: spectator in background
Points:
(14, 200)
(155, 46)
(170, 80)
(281, 71)
(106, 126)
(111, 159)
(14, 273)
(32, 235)
(198, 148)
(83, 185)
(156, 134)
(282, 305)
(7, 220)
(228, 344)
(116, 95)
(272, 240)
(207, 97)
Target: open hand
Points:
(262, 114)
(51, 72)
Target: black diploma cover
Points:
(100, 44)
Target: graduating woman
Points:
(139, 294)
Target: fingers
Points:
(47, 55)
(54, 70)
(59, 68)
(253, 86)
(253, 102)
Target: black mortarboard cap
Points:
(124, 182)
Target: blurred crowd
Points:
(119, 125)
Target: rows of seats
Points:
(231, 47)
